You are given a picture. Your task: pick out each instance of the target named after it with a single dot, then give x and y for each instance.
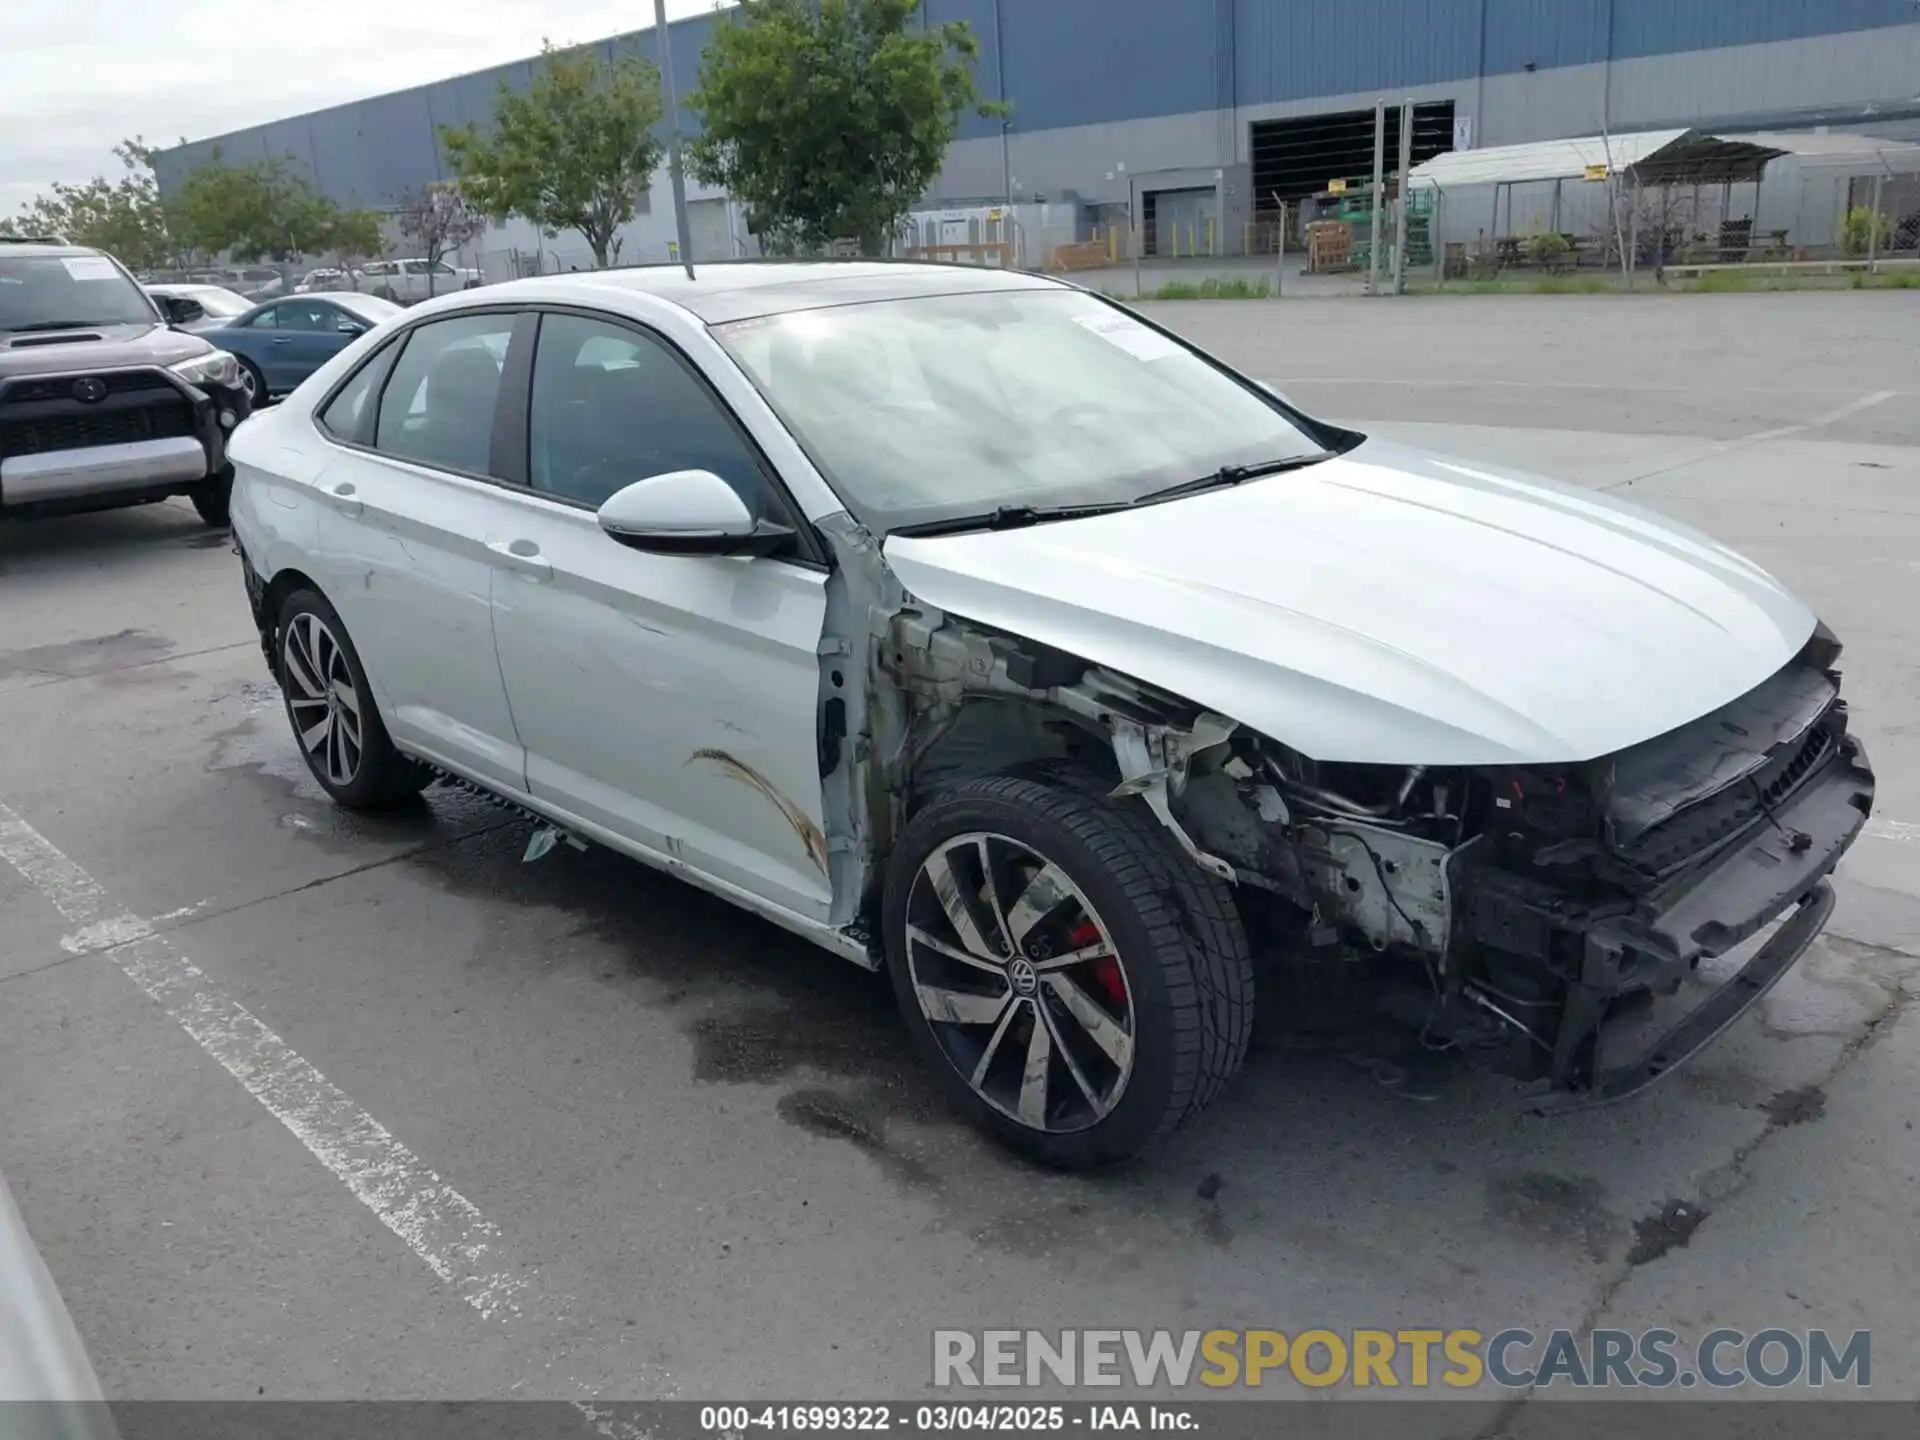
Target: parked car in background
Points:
(281, 343)
(408, 282)
(323, 280)
(256, 282)
(982, 631)
(102, 403)
(198, 307)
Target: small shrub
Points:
(1549, 249)
(1858, 227)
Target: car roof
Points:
(744, 289)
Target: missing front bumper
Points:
(1781, 870)
(1707, 1020)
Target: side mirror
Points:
(351, 327)
(688, 512)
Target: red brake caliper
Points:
(1106, 969)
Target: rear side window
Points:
(438, 408)
(349, 415)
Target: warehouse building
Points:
(1196, 119)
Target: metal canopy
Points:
(1647, 157)
(1667, 157)
(1844, 150)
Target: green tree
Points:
(575, 152)
(438, 221)
(356, 237)
(264, 211)
(829, 118)
(123, 216)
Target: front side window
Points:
(307, 318)
(68, 292)
(438, 407)
(613, 405)
(948, 406)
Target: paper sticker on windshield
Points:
(91, 267)
(1130, 335)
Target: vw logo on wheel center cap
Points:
(1023, 977)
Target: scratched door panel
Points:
(672, 699)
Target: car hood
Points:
(1389, 606)
(98, 347)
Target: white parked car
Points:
(408, 282)
(975, 628)
(325, 279)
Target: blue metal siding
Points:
(1083, 62)
(1297, 49)
(1547, 34)
(1666, 27)
(1070, 59)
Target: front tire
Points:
(213, 497)
(1079, 986)
(254, 380)
(332, 711)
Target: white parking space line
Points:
(437, 1222)
(1892, 830)
(1820, 422)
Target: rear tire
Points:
(213, 497)
(331, 708)
(1037, 871)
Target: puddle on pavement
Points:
(1557, 1208)
(1669, 1228)
(74, 658)
(261, 747)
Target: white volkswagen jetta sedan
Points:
(980, 630)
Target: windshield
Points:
(221, 303)
(57, 292)
(370, 308)
(948, 406)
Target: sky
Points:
(79, 76)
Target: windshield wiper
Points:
(1228, 475)
(39, 325)
(1011, 517)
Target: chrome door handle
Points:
(283, 339)
(521, 555)
(342, 497)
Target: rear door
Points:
(410, 501)
(672, 700)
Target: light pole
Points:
(664, 44)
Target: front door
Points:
(306, 334)
(670, 699)
(402, 538)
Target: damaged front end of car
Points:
(1552, 917)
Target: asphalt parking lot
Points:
(646, 1145)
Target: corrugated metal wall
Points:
(1071, 63)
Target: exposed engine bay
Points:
(1539, 913)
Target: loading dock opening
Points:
(1295, 158)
